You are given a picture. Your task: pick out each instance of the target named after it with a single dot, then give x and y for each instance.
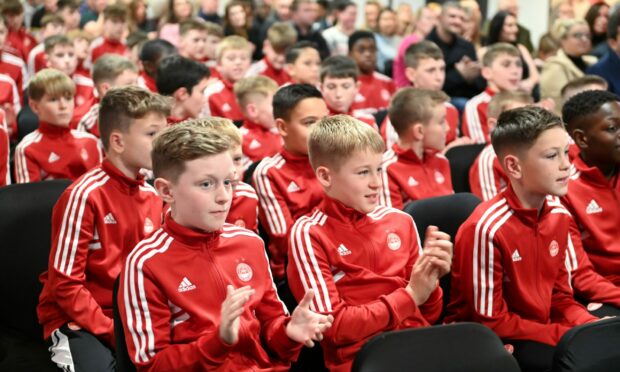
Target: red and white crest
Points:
(554, 248)
(148, 225)
(393, 241)
(244, 272)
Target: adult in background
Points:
(387, 40)
(303, 15)
(337, 36)
(597, 18)
(609, 66)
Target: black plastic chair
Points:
(380, 117)
(447, 213)
(25, 228)
(461, 159)
(123, 361)
(444, 348)
(589, 347)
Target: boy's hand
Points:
(468, 68)
(437, 244)
(305, 325)
(232, 308)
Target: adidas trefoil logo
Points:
(109, 219)
(593, 207)
(516, 256)
(292, 187)
(343, 251)
(186, 285)
(53, 157)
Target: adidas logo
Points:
(226, 107)
(186, 285)
(292, 187)
(109, 219)
(412, 181)
(516, 256)
(343, 251)
(254, 144)
(593, 207)
(53, 157)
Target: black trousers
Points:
(77, 351)
(532, 356)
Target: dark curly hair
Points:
(584, 104)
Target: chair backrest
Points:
(443, 348)
(461, 158)
(447, 213)
(249, 172)
(380, 116)
(589, 347)
(25, 230)
(123, 361)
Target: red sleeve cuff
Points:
(401, 305)
(213, 348)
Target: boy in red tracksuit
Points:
(5, 169)
(233, 60)
(510, 263)
(502, 69)
(426, 69)
(114, 27)
(303, 63)
(10, 64)
(110, 71)
(285, 183)
(486, 176)
(95, 223)
(375, 89)
(260, 135)
(198, 293)
(10, 102)
(151, 55)
(19, 41)
(414, 168)
(363, 261)
(184, 81)
(594, 189)
(244, 205)
(54, 150)
(339, 86)
(51, 24)
(280, 37)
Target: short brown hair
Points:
(223, 126)
(579, 84)
(11, 7)
(335, 138)
(214, 29)
(232, 42)
(120, 106)
(109, 66)
(251, 86)
(51, 82)
(53, 41)
(192, 24)
(281, 35)
(184, 142)
(116, 12)
(421, 50)
(499, 49)
(54, 19)
(414, 105)
(502, 100)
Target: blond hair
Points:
(223, 126)
(414, 105)
(561, 27)
(121, 106)
(335, 138)
(51, 82)
(500, 102)
(232, 42)
(498, 49)
(184, 142)
(281, 35)
(250, 87)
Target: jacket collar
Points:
(192, 238)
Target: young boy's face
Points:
(601, 136)
(545, 166)
(54, 110)
(430, 74)
(435, 130)
(195, 100)
(211, 46)
(138, 140)
(295, 131)
(81, 47)
(364, 53)
(263, 110)
(114, 29)
(193, 45)
(277, 59)
(202, 194)
(237, 157)
(63, 58)
(305, 70)
(71, 17)
(357, 182)
(234, 63)
(339, 93)
(14, 21)
(504, 74)
(3, 34)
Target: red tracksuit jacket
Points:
(244, 207)
(287, 189)
(37, 60)
(475, 117)
(594, 201)
(90, 121)
(407, 178)
(171, 293)
(358, 266)
(101, 46)
(53, 152)
(509, 271)
(374, 94)
(20, 43)
(486, 176)
(259, 142)
(5, 169)
(15, 68)
(147, 82)
(222, 100)
(264, 68)
(95, 224)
